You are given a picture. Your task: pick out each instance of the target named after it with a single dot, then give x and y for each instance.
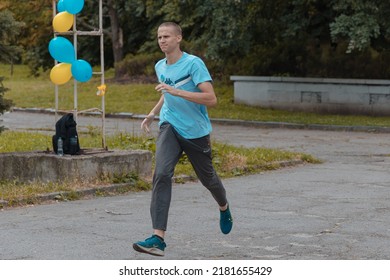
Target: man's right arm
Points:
(145, 125)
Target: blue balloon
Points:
(61, 49)
(60, 6)
(73, 6)
(81, 70)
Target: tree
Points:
(36, 31)
(10, 29)
(357, 21)
(116, 31)
(8, 51)
(5, 104)
(281, 37)
(127, 27)
(336, 38)
(340, 38)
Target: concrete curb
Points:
(124, 115)
(302, 126)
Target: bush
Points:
(5, 104)
(141, 65)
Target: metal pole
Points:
(55, 62)
(102, 72)
(75, 106)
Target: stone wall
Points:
(341, 96)
(49, 167)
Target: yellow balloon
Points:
(61, 73)
(63, 21)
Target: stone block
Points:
(89, 166)
(340, 96)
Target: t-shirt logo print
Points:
(167, 81)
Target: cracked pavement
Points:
(339, 209)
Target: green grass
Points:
(21, 193)
(27, 92)
(229, 161)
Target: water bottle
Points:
(60, 147)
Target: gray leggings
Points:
(169, 148)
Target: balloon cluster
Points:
(62, 50)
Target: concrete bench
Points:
(340, 96)
(92, 165)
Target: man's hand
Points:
(145, 125)
(164, 88)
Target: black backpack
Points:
(66, 129)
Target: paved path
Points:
(339, 209)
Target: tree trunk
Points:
(116, 35)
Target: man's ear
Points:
(179, 38)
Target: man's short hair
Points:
(174, 25)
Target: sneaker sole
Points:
(151, 251)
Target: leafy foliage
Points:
(36, 31)
(358, 21)
(9, 30)
(5, 104)
(235, 37)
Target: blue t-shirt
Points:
(190, 119)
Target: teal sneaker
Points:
(153, 245)
(226, 221)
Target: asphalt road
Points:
(339, 209)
